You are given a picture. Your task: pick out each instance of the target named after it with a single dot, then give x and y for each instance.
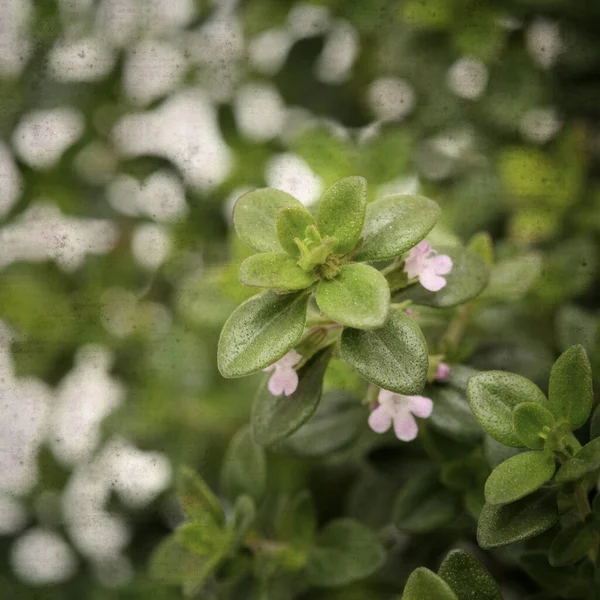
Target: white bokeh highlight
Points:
(86, 59)
(291, 173)
(259, 111)
(391, 98)
(42, 136)
(468, 78)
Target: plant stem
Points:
(583, 510)
(456, 329)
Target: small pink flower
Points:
(401, 411)
(443, 372)
(428, 266)
(284, 379)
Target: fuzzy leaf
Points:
(260, 331)
(512, 278)
(571, 544)
(255, 214)
(358, 296)
(519, 476)
(423, 505)
(451, 414)
(342, 212)
(336, 423)
(244, 515)
(570, 393)
(291, 224)
(424, 584)
(468, 578)
(344, 551)
(244, 468)
(196, 497)
(173, 563)
(395, 224)
(275, 270)
(504, 524)
(587, 460)
(394, 357)
(296, 523)
(529, 419)
(467, 280)
(276, 417)
(493, 395)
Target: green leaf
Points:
(519, 476)
(260, 331)
(587, 460)
(173, 563)
(201, 537)
(338, 421)
(468, 578)
(291, 224)
(467, 280)
(244, 515)
(424, 584)
(512, 278)
(493, 395)
(196, 497)
(504, 524)
(570, 393)
(571, 544)
(451, 415)
(255, 215)
(344, 551)
(275, 270)
(423, 505)
(530, 420)
(358, 296)
(276, 417)
(562, 580)
(244, 468)
(395, 224)
(342, 212)
(296, 523)
(574, 325)
(394, 357)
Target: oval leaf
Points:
(395, 224)
(335, 425)
(345, 551)
(571, 544)
(260, 331)
(255, 214)
(519, 476)
(358, 296)
(423, 505)
(424, 584)
(468, 578)
(493, 395)
(197, 499)
(275, 270)
(451, 415)
(394, 357)
(291, 224)
(570, 393)
(530, 419)
(342, 212)
(276, 417)
(467, 280)
(587, 460)
(500, 525)
(244, 467)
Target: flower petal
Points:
(385, 396)
(442, 264)
(423, 248)
(405, 427)
(430, 281)
(291, 382)
(277, 382)
(380, 420)
(442, 372)
(291, 359)
(420, 406)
